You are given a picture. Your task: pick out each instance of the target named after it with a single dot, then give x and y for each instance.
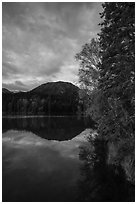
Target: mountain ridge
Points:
(44, 84)
(52, 98)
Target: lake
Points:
(41, 158)
(49, 159)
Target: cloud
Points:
(17, 85)
(40, 40)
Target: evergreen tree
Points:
(117, 76)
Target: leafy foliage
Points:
(89, 59)
(112, 102)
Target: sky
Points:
(40, 41)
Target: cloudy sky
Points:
(40, 41)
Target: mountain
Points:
(52, 98)
(4, 90)
(55, 88)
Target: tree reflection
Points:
(99, 181)
(51, 128)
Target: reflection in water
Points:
(42, 159)
(37, 169)
(54, 128)
(101, 182)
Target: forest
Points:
(107, 78)
(53, 98)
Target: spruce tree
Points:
(117, 75)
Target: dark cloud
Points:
(40, 40)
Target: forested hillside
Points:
(53, 98)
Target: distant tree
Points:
(10, 107)
(24, 105)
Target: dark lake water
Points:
(40, 158)
(49, 159)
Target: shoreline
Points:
(39, 116)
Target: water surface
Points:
(50, 159)
(41, 158)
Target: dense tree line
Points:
(59, 101)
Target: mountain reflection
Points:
(99, 181)
(51, 128)
(41, 169)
